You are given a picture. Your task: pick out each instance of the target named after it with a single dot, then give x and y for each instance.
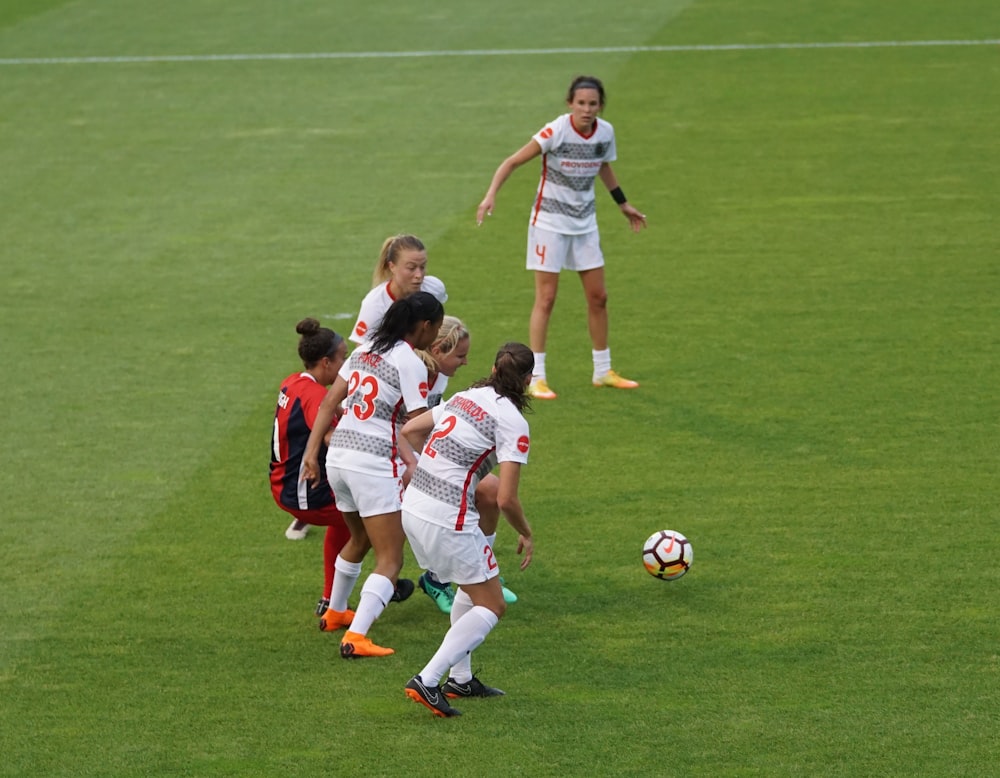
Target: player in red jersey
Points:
(323, 352)
(576, 148)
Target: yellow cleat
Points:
(615, 381)
(540, 390)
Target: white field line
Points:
(485, 52)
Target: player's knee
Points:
(598, 300)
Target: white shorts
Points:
(552, 251)
(366, 495)
(462, 557)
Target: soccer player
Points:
(461, 441)
(322, 352)
(382, 385)
(400, 270)
(448, 353)
(576, 148)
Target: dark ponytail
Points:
(513, 364)
(403, 317)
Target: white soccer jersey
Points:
(377, 302)
(381, 390)
(565, 200)
(373, 309)
(436, 393)
(473, 431)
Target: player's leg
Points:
(596, 294)
(545, 258)
(347, 567)
(386, 534)
(489, 518)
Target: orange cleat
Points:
(332, 620)
(355, 645)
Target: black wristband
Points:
(618, 196)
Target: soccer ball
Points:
(667, 554)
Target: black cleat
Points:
(404, 588)
(321, 606)
(431, 697)
(473, 688)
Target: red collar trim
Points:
(592, 129)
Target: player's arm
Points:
(328, 411)
(636, 219)
(510, 506)
(526, 153)
(417, 429)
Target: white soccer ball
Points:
(667, 554)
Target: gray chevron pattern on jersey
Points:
(357, 441)
(486, 426)
(461, 455)
(435, 487)
(579, 183)
(383, 410)
(385, 372)
(568, 150)
(554, 206)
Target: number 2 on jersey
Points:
(364, 407)
(447, 425)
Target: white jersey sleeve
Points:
(373, 308)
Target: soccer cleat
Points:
(322, 606)
(431, 697)
(508, 596)
(332, 620)
(473, 688)
(404, 588)
(355, 645)
(615, 381)
(539, 389)
(297, 530)
(442, 594)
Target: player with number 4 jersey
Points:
(576, 149)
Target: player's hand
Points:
(310, 470)
(525, 546)
(408, 471)
(485, 209)
(636, 220)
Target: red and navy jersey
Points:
(294, 415)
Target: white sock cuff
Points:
(539, 369)
(463, 600)
(380, 586)
(347, 568)
(485, 614)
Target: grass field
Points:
(813, 315)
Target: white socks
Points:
(602, 362)
(467, 632)
(343, 582)
(375, 595)
(539, 372)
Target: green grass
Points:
(812, 314)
